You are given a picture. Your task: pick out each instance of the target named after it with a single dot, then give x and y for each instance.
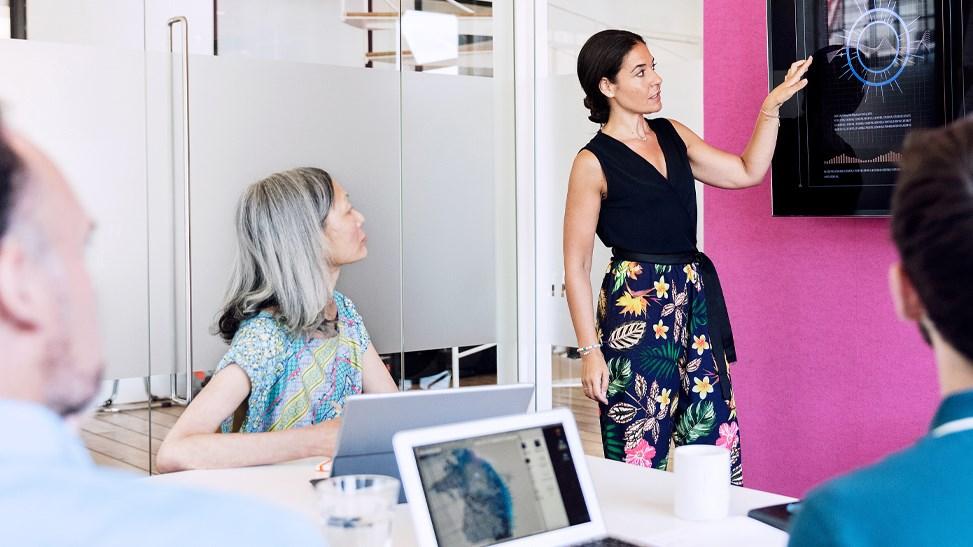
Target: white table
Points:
(636, 503)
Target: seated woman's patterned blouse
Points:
(297, 381)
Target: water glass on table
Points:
(357, 509)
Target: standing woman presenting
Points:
(656, 359)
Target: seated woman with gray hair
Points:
(298, 347)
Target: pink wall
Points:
(828, 378)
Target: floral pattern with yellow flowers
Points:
(690, 271)
(664, 397)
(700, 344)
(631, 304)
(660, 330)
(703, 387)
(661, 287)
(664, 388)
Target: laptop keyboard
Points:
(605, 542)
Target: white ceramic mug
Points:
(702, 482)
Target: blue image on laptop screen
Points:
(500, 487)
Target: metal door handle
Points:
(187, 237)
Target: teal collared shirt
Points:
(922, 495)
(51, 494)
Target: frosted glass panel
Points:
(86, 108)
(251, 118)
(448, 211)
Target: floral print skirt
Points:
(663, 387)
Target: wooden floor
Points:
(585, 410)
(585, 414)
(121, 439)
(566, 375)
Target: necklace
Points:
(640, 128)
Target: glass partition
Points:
(458, 194)
(74, 82)
(161, 113)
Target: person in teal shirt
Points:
(922, 495)
(51, 494)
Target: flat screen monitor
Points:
(881, 69)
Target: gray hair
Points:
(282, 257)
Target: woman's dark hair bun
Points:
(601, 57)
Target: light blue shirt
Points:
(51, 494)
(922, 495)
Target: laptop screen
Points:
(500, 487)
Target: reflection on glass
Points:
(566, 383)
(878, 73)
(448, 37)
(444, 367)
(442, 36)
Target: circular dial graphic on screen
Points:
(878, 47)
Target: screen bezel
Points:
(788, 198)
(405, 442)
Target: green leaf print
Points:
(699, 317)
(662, 464)
(614, 441)
(619, 372)
(698, 421)
(621, 271)
(663, 268)
(660, 361)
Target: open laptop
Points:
(370, 421)
(516, 480)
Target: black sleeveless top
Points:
(643, 212)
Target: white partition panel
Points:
(164, 180)
(250, 118)
(85, 107)
(506, 228)
(449, 231)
